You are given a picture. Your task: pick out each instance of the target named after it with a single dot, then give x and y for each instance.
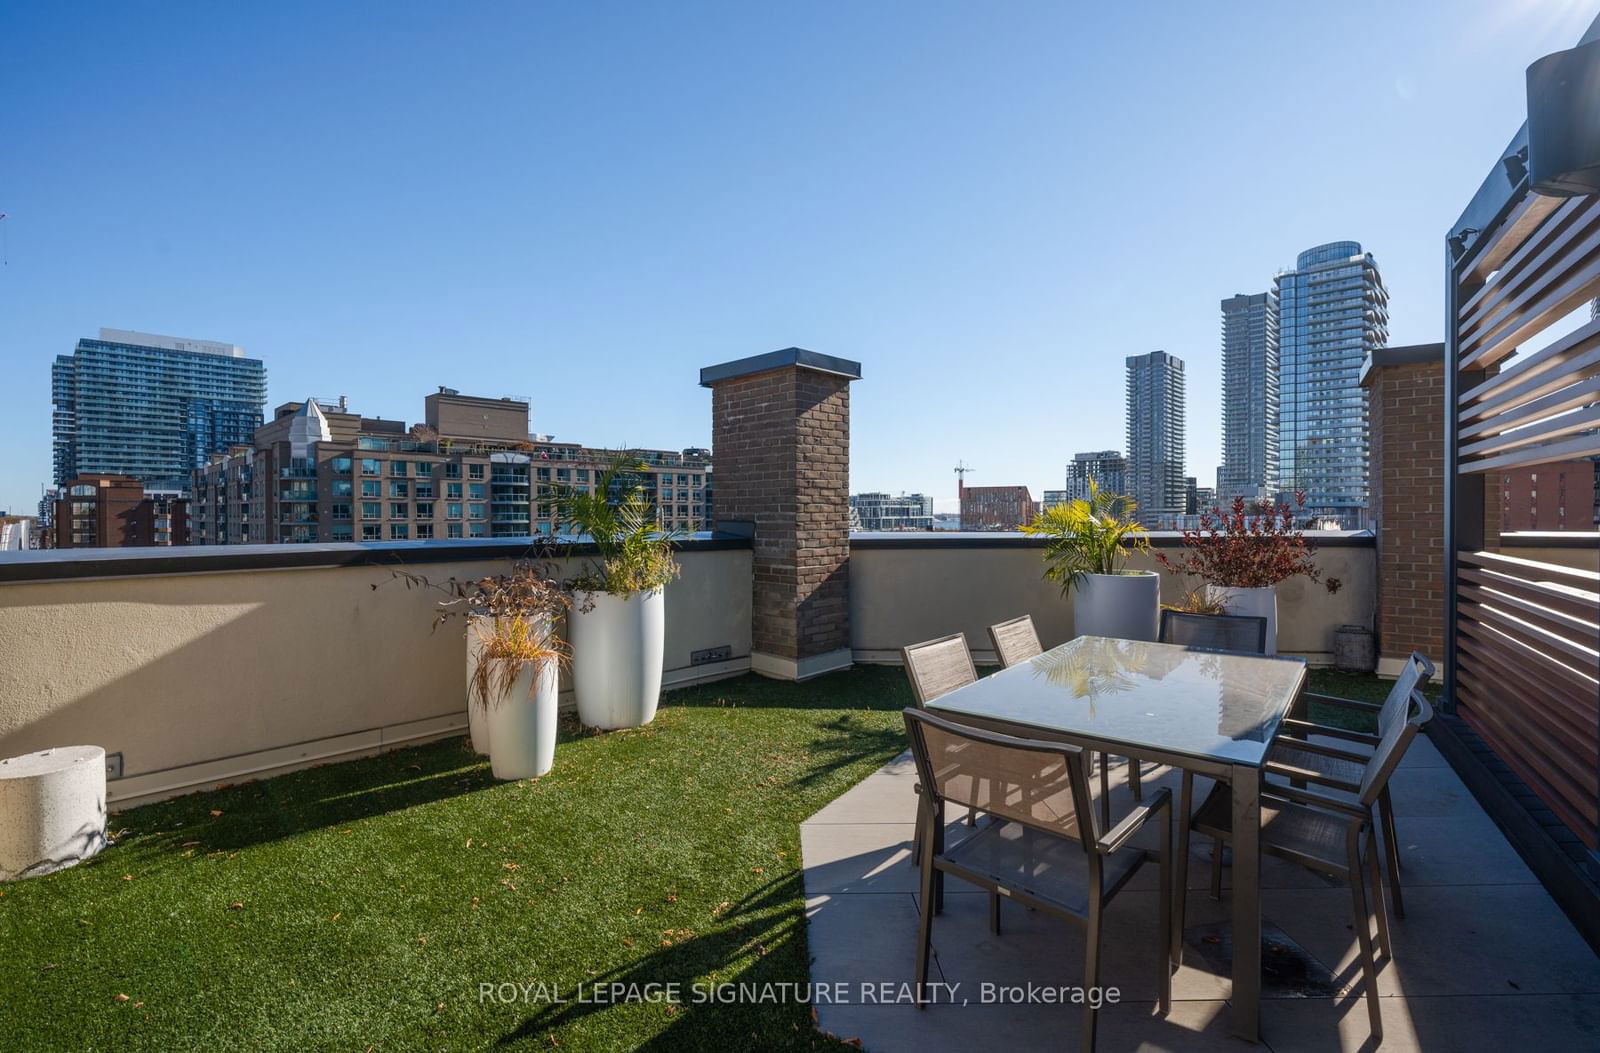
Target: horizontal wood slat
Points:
(1562, 227)
(1587, 445)
(1527, 216)
(1576, 629)
(1578, 391)
(1578, 819)
(1533, 375)
(1570, 695)
(1536, 434)
(1565, 759)
(1558, 598)
(1533, 570)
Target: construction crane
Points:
(962, 468)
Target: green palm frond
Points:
(634, 554)
(1092, 536)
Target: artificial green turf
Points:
(361, 905)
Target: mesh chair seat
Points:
(1308, 835)
(1339, 770)
(1047, 867)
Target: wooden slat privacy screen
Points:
(1523, 661)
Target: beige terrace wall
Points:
(212, 677)
(900, 595)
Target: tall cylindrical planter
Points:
(1260, 602)
(1126, 606)
(522, 724)
(618, 643)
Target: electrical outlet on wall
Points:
(114, 765)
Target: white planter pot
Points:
(1259, 602)
(617, 650)
(522, 724)
(1124, 606)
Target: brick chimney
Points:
(780, 427)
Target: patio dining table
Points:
(1214, 713)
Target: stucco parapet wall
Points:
(1011, 539)
(69, 564)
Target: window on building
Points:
(424, 531)
(474, 471)
(452, 470)
(399, 488)
(341, 465)
(342, 532)
(399, 531)
(343, 488)
(477, 529)
(474, 511)
(424, 509)
(477, 491)
(371, 488)
(452, 510)
(339, 511)
(371, 531)
(452, 490)
(424, 489)
(424, 469)
(372, 510)
(454, 530)
(398, 510)
(397, 468)
(369, 466)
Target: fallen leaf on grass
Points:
(215, 812)
(236, 905)
(337, 915)
(122, 998)
(127, 877)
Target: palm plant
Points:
(1088, 536)
(634, 555)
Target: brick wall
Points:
(1406, 404)
(781, 440)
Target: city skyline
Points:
(518, 257)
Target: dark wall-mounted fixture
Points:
(1564, 122)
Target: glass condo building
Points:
(1333, 310)
(152, 407)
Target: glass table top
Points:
(1215, 705)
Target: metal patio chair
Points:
(1319, 832)
(1304, 762)
(1015, 641)
(1215, 632)
(1050, 854)
(936, 667)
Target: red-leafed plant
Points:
(1253, 546)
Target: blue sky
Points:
(988, 205)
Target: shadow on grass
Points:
(766, 929)
(334, 794)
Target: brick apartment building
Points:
(996, 507)
(1550, 497)
(116, 511)
(471, 469)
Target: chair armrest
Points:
(1118, 835)
(1324, 750)
(1343, 703)
(1317, 800)
(1313, 728)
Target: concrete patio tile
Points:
(1437, 793)
(856, 939)
(1191, 1027)
(1039, 947)
(865, 857)
(1454, 940)
(882, 797)
(1424, 1025)
(1461, 849)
